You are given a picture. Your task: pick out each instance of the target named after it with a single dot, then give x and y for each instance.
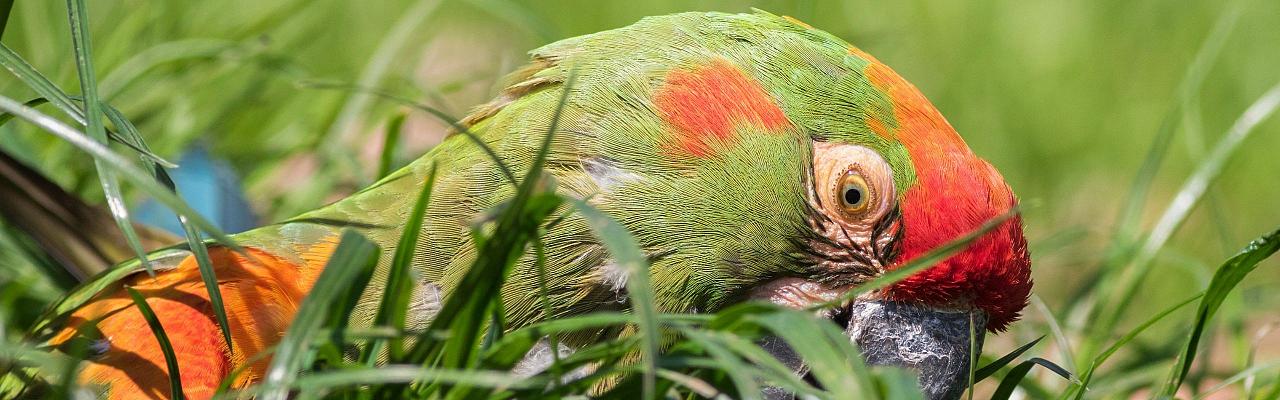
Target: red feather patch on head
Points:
(955, 193)
(706, 104)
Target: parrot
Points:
(752, 157)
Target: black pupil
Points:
(852, 196)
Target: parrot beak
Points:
(934, 342)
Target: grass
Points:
(1102, 343)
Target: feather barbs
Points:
(706, 105)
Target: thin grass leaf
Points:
(353, 255)
(973, 353)
(1192, 80)
(769, 368)
(41, 85)
(1083, 384)
(626, 255)
(33, 103)
(132, 138)
(410, 373)
(742, 374)
(5, 7)
(170, 360)
(698, 386)
(921, 262)
(194, 240)
(544, 294)
(990, 369)
(1011, 381)
(462, 316)
(1239, 376)
(1230, 274)
(145, 153)
(133, 174)
(1059, 336)
(125, 73)
(830, 355)
(439, 115)
(1121, 249)
(390, 141)
(514, 345)
(93, 116)
(1187, 197)
(399, 287)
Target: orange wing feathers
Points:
(261, 293)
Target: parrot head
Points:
(757, 158)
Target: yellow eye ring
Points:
(853, 193)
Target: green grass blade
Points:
(400, 374)
(1239, 376)
(33, 103)
(831, 356)
(1083, 385)
(544, 294)
(390, 141)
(921, 262)
(63, 102)
(170, 360)
(1010, 381)
(742, 374)
(974, 331)
(774, 371)
(989, 369)
(131, 138)
(1187, 197)
(93, 117)
(41, 85)
(1120, 249)
(192, 236)
(1192, 81)
(434, 112)
(354, 254)
(1230, 274)
(5, 7)
(127, 72)
(400, 281)
(1059, 335)
(627, 255)
(1019, 372)
(133, 174)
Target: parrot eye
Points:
(854, 193)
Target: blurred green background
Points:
(1065, 98)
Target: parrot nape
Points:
(752, 156)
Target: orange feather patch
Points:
(955, 192)
(706, 104)
(260, 293)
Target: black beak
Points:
(931, 341)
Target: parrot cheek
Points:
(935, 343)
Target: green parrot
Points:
(752, 157)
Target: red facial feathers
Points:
(706, 104)
(955, 193)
